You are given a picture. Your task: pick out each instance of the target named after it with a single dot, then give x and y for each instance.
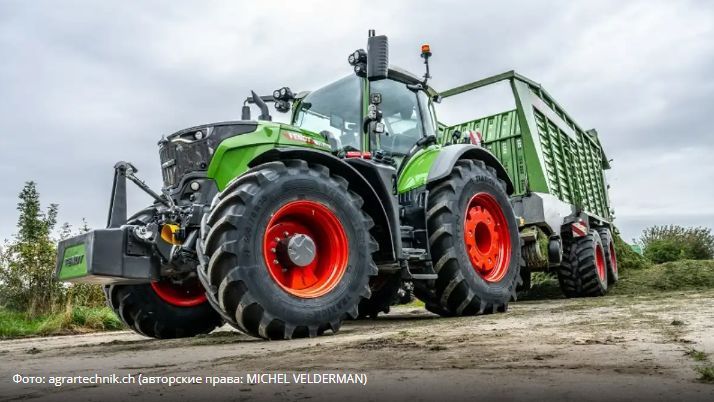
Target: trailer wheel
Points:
(608, 245)
(474, 242)
(583, 272)
(286, 251)
(163, 310)
(385, 289)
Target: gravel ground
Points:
(612, 348)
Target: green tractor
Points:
(286, 230)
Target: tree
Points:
(27, 263)
(65, 231)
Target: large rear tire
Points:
(608, 245)
(256, 280)
(163, 310)
(474, 243)
(583, 272)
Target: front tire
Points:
(163, 310)
(474, 242)
(266, 290)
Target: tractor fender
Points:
(448, 156)
(385, 232)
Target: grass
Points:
(706, 374)
(650, 279)
(415, 303)
(670, 276)
(74, 320)
(697, 355)
(627, 259)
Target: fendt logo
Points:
(72, 261)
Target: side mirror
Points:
(377, 57)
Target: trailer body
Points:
(556, 166)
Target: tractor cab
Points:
(338, 111)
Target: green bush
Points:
(86, 294)
(674, 243)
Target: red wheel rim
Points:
(331, 249)
(613, 257)
(487, 238)
(188, 294)
(600, 261)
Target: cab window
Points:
(401, 116)
(336, 109)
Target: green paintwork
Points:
(416, 171)
(233, 155)
(541, 146)
(74, 262)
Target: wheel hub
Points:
(305, 249)
(488, 242)
(297, 250)
(483, 237)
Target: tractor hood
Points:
(190, 150)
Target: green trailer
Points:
(557, 169)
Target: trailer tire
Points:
(265, 292)
(608, 245)
(474, 242)
(583, 272)
(141, 308)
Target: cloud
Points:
(89, 83)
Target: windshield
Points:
(334, 110)
(402, 116)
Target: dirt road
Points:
(613, 348)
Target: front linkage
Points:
(147, 262)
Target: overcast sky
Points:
(85, 84)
